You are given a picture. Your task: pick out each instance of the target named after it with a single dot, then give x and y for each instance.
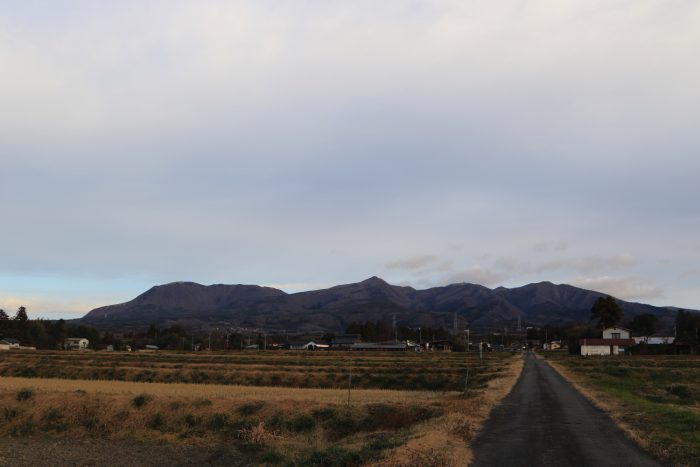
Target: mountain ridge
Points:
(332, 309)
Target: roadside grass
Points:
(656, 397)
(270, 425)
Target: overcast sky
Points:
(302, 144)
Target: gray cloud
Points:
(626, 288)
(590, 264)
(414, 262)
(244, 142)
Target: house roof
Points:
(378, 346)
(617, 327)
(9, 340)
(346, 339)
(607, 342)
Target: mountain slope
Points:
(332, 309)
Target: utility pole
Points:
(265, 344)
(467, 339)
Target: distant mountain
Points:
(195, 305)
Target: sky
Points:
(303, 144)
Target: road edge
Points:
(492, 398)
(608, 404)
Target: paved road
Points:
(545, 421)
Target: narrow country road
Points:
(545, 421)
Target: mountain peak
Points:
(374, 280)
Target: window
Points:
(615, 335)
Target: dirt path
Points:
(545, 421)
(37, 451)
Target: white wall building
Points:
(615, 341)
(76, 343)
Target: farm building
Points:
(9, 343)
(310, 345)
(344, 341)
(76, 343)
(440, 346)
(654, 340)
(384, 347)
(615, 341)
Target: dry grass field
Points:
(656, 399)
(398, 370)
(304, 423)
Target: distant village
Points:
(641, 337)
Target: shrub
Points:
(680, 390)
(340, 426)
(271, 456)
(276, 422)
(10, 413)
(156, 422)
(53, 421)
(301, 423)
(256, 435)
(24, 394)
(217, 422)
(140, 400)
(324, 413)
(250, 408)
(191, 420)
(90, 423)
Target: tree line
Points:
(42, 334)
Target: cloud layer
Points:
(306, 143)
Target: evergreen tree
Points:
(21, 315)
(607, 311)
(645, 324)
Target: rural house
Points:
(76, 343)
(310, 345)
(8, 343)
(615, 341)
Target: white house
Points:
(10, 343)
(616, 333)
(311, 345)
(615, 341)
(76, 343)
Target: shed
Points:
(11, 343)
(76, 343)
(605, 346)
